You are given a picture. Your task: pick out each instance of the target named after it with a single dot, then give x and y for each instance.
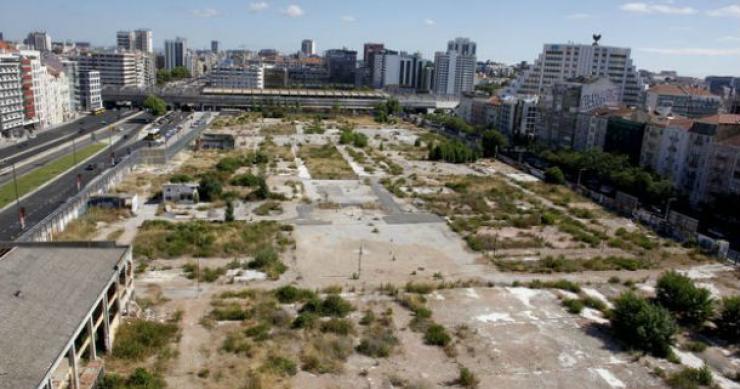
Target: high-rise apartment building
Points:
(125, 40)
(369, 49)
(400, 71)
(175, 53)
(560, 62)
(11, 93)
(454, 70)
(308, 47)
(214, 47)
(135, 40)
(39, 41)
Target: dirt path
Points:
(194, 346)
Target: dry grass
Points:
(86, 227)
(326, 163)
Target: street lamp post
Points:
(74, 150)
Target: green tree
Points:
(393, 106)
(381, 113)
(678, 293)
(210, 188)
(642, 325)
(492, 141)
(554, 175)
(157, 106)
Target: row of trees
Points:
(384, 110)
(651, 325)
(178, 73)
(452, 151)
(614, 170)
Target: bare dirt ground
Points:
(358, 235)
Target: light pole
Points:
(18, 199)
(74, 150)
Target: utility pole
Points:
(359, 262)
(21, 216)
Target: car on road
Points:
(90, 167)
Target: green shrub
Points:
(139, 379)
(229, 312)
(338, 326)
(368, 318)
(554, 175)
(280, 365)
(377, 343)
(247, 180)
(467, 378)
(237, 343)
(290, 294)
(677, 293)
(139, 339)
(267, 261)
(419, 287)
(332, 305)
(642, 325)
(436, 335)
(728, 321)
(569, 286)
(259, 332)
(690, 378)
(574, 306)
(305, 320)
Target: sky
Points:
(694, 37)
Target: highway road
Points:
(43, 202)
(48, 139)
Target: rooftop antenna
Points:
(597, 38)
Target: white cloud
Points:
(578, 16)
(205, 13)
(258, 7)
(348, 19)
(429, 22)
(730, 10)
(293, 11)
(692, 51)
(651, 8)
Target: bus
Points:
(153, 135)
(98, 111)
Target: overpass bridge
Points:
(207, 98)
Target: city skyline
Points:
(698, 38)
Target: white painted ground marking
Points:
(566, 360)
(597, 295)
(470, 292)
(593, 315)
(524, 295)
(610, 379)
(495, 317)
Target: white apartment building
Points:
(125, 40)
(135, 40)
(57, 98)
(90, 87)
(34, 100)
(454, 70)
(559, 62)
(665, 145)
(130, 68)
(248, 77)
(11, 93)
(39, 41)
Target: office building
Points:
(685, 101)
(175, 53)
(72, 70)
(238, 77)
(39, 41)
(559, 62)
(11, 94)
(342, 66)
(454, 70)
(89, 91)
(308, 47)
(369, 49)
(214, 47)
(130, 68)
(61, 305)
(399, 71)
